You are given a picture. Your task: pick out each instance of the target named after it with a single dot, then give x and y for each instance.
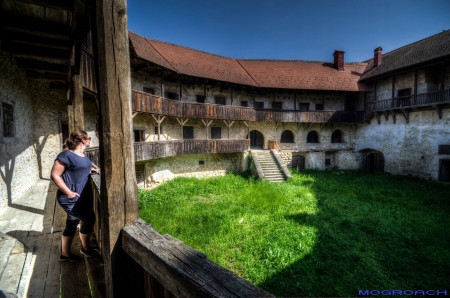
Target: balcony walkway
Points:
(35, 271)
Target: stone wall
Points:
(196, 165)
(38, 115)
(408, 148)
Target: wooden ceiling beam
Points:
(46, 76)
(55, 4)
(41, 65)
(33, 27)
(28, 38)
(35, 51)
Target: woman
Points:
(70, 173)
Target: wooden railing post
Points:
(118, 183)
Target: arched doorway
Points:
(256, 140)
(374, 163)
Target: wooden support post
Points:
(119, 205)
(181, 90)
(231, 95)
(378, 117)
(162, 85)
(442, 83)
(207, 124)
(248, 127)
(77, 102)
(393, 91)
(204, 91)
(394, 116)
(295, 100)
(416, 77)
(228, 124)
(438, 110)
(405, 114)
(182, 123)
(159, 120)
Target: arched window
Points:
(336, 137)
(287, 137)
(312, 137)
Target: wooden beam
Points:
(77, 102)
(394, 116)
(119, 205)
(35, 51)
(45, 76)
(405, 114)
(39, 28)
(378, 117)
(55, 4)
(438, 110)
(29, 38)
(41, 65)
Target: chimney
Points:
(377, 56)
(339, 59)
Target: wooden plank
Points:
(35, 51)
(118, 187)
(55, 4)
(40, 246)
(28, 38)
(74, 280)
(52, 285)
(40, 65)
(77, 102)
(180, 269)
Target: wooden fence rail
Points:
(146, 103)
(153, 150)
(410, 101)
(173, 269)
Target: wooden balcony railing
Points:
(153, 150)
(93, 154)
(410, 101)
(146, 103)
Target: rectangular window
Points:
(188, 132)
(8, 119)
(277, 105)
(319, 107)
(200, 98)
(138, 135)
(172, 95)
(259, 105)
(216, 132)
(160, 129)
(444, 149)
(244, 103)
(220, 100)
(148, 90)
(303, 107)
(327, 161)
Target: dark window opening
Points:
(188, 132)
(172, 95)
(8, 119)
(287, 137)
(160, 129)
(336, 137)
(220, 100)
(138, 135)
(201, 162)
(277, 105)
(350, 102)
(64, 132)
(200, 98)
(432, 78)
(216, 132)
(444, 149)
(258, 105)
(304, 106)
(298, 162)
(148, 90)
(404, 97)
(319, 107)
(327, 161)
(244, 103)
(312, 137)
(444, 170)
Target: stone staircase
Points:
(270, 168)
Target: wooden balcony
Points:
(153, 150)
(146, 103)
(422, 100)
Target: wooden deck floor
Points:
(37, 221)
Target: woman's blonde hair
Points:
(75, 138)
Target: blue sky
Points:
(289, 29)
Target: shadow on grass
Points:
(389, 234)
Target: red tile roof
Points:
(259, 73)
(306, 75)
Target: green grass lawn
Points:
(324, 233)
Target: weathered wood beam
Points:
(35, 51)
(119, 206)
(394, 116)
(78, 19)
(38, 28)
(77, 102)
(45, 76)
(29, 38)
(378, 118)
(405, 114)
(55, 4)
(438, 110)
(41, 65)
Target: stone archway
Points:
(256, 140)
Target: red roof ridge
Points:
(293, 60)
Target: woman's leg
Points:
(67, 236)
(87, 224)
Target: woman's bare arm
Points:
(57, 171)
